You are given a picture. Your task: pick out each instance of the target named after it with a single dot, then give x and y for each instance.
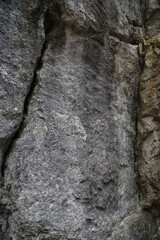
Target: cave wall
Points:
(79, 147)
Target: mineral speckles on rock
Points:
(69, 171)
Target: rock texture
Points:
(148, 140)
(69, 93)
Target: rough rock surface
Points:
(148, 140)
(69, 92)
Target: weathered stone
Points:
(21, 42)
(69, 171)
(148, 141)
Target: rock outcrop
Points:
(148, 139)
(77, 159)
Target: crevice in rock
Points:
(133, 22)
(5, 211)
(122, 38)
(146, 154)
(136, 168)
(141, 56)
(48, 27)
(26, 106)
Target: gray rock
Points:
(21, 42)
(68, 127)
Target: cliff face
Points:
(79, 120)
(148, 139)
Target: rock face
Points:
(148, 140)
(71, 81)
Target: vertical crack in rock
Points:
(26, 103)
(48, 25)
(148, 135)
(141, 55)
(49, 21)
(38, 66)
(136, 124)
